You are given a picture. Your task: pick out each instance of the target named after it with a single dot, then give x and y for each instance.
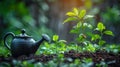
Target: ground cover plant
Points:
(89, 49)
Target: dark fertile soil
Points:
(113, 60)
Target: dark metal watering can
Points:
(23, 44)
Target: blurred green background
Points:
(46, 17)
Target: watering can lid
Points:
(23, 34)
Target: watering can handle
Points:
(5, 37)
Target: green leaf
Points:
(85, 24)
(64, 41)
(90, 26)
(70, 14)
(81, 37)
(88, 16)
(95, 37)
(75, 30)
(101, 42)
(75, 10)
(69, 19)
(82, 13)
(79, 24)
(90, 47)
(100, 26)
(108, 33)
(55, 38)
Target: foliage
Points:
(102, 30)
(81, 25)
(82, 44)
(111, 18)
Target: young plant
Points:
(102, 30)
(59, 44)
(55, 39)
(80, 17)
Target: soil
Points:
(113, 60)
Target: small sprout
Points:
(100, 26)
(55, 38)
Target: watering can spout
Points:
(45, 37)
